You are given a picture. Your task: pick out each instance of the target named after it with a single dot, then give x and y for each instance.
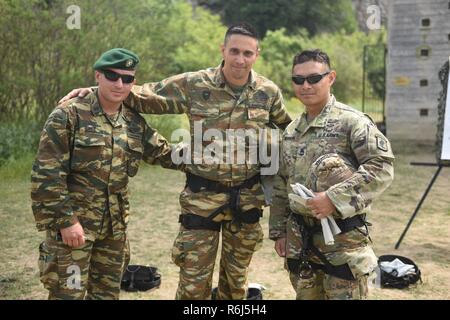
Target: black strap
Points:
(342, 271)
(197, 183)
(351, 223)
(301, 265)
(345, 225)
(193, 221)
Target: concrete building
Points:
(418, 46)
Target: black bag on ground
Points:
(390, 280)
(140, 278)
(253, 293)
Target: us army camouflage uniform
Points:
(204, 96)
(353, 162)
(82, 169)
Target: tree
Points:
(319, 16)
(41, 59)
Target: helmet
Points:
(140, 278)
(326, 171)
(390, 280)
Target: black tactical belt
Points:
(193, 221)
(303, 267)
(345, 225)
(197, 184)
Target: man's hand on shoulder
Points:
(80, 92)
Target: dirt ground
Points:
(153, 228)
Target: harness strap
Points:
(193, 221)
(197, 184)
(304, 267)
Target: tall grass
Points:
(18, 144)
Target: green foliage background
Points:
(41, 59)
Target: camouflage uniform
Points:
(358, 167)
(205, 97)
(82, 167)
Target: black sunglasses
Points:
(114, 76)
(311, 79)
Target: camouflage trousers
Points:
(322, 286)
(195, 252)
(92, 271)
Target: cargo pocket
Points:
(202, 203)
(135, 153)
(203, 111)
(253, 236)
(87, 152)
(361, 261)
(48, 266)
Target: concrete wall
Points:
(406, 67)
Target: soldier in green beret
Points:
(89, 148)
(223, 198)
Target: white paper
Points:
(445, 154)
(329, 226)
(327, 233)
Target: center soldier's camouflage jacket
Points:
(342, 130)
(83, 164)
(206, 98)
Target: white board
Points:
(445, 154)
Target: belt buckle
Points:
(305, 270)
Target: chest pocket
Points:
(204, 110)
(295, 156)
(258, 112)
(135, 152)
(203, 104)
(87, 154)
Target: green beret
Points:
(117, 58)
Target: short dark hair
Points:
(311, 55)
(243, 29)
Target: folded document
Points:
(329, 226)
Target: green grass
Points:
(17, 168)
(153, 227)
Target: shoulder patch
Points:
(260, 96)
(382, 143)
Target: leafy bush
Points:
(17, 140)
(345, 51)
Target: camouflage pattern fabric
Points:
(325, 287)
(82, 169)
(194, 251)
(92, 271)
(206, 98)
(340, 151)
